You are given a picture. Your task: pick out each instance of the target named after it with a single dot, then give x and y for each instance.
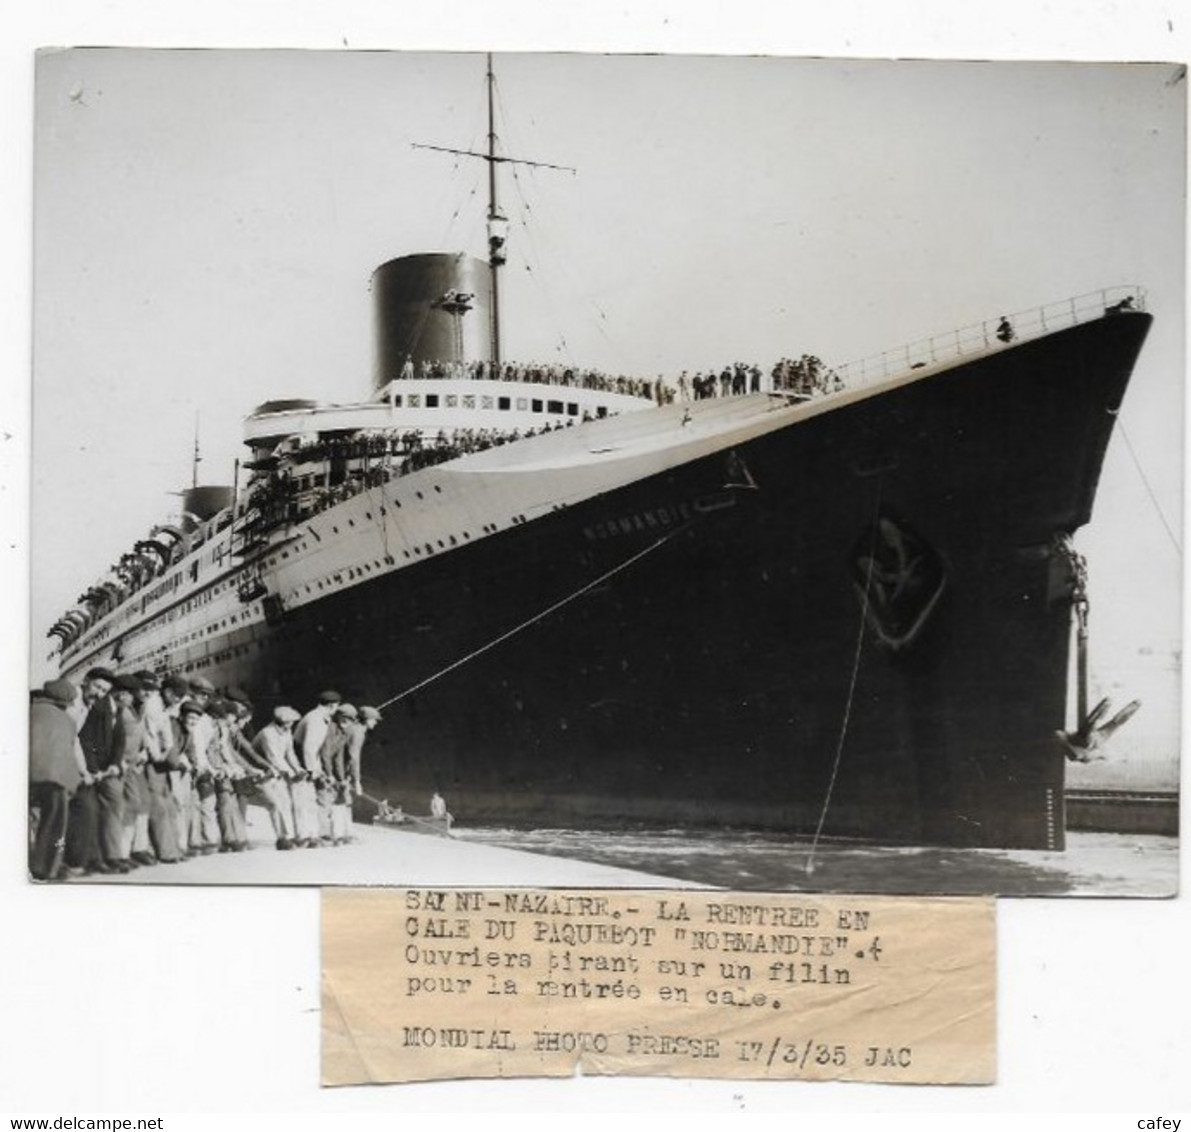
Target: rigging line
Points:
(532, 240)
(508, 132)
(544, 224)
(1149, 488)
(411, 340)
(655, 545)
(476, 131)
(839, 748)
(465, 204)
(542, 228)
(579, 294)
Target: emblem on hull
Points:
(899, 578)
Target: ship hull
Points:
(857, 625)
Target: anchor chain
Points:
(1077, 564)
(1091, 732)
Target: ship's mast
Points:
(198, 459)
(497, 222)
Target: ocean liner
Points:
(836, 601)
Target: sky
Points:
(206, 223)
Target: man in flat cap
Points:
(335, 780)
(369, 718)
(225, 771)
(275, 744)
(94, 715)
(98, 736)
(205, 836)
(196, 741)
(54, 775)
(128, 753)
(175, 691)
(253, 766)
(162, 763)
(313, 820)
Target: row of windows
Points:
(362, 569)
(502, 404)
(220, 657)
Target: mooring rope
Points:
(536, 617)
(1149, 489)
(839, 747)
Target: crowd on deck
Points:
(542, 373)
(389, 455)
(805, 375)
(275, 495)
(132, 771)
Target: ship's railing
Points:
(991, 334)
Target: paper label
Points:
(422, 984)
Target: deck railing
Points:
(984, 337)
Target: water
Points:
(1094, 864)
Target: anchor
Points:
(1085, 744)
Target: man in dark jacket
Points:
(54, 774)
(93, 713)
(98, 737)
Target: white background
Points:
(138, 1001)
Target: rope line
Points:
(839, 748)
(1149, 488)
(535, 618)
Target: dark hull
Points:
(729, 675)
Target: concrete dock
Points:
(1094, 863)
(385, 856)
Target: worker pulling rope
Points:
(657, 544)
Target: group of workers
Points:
(135, 770)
